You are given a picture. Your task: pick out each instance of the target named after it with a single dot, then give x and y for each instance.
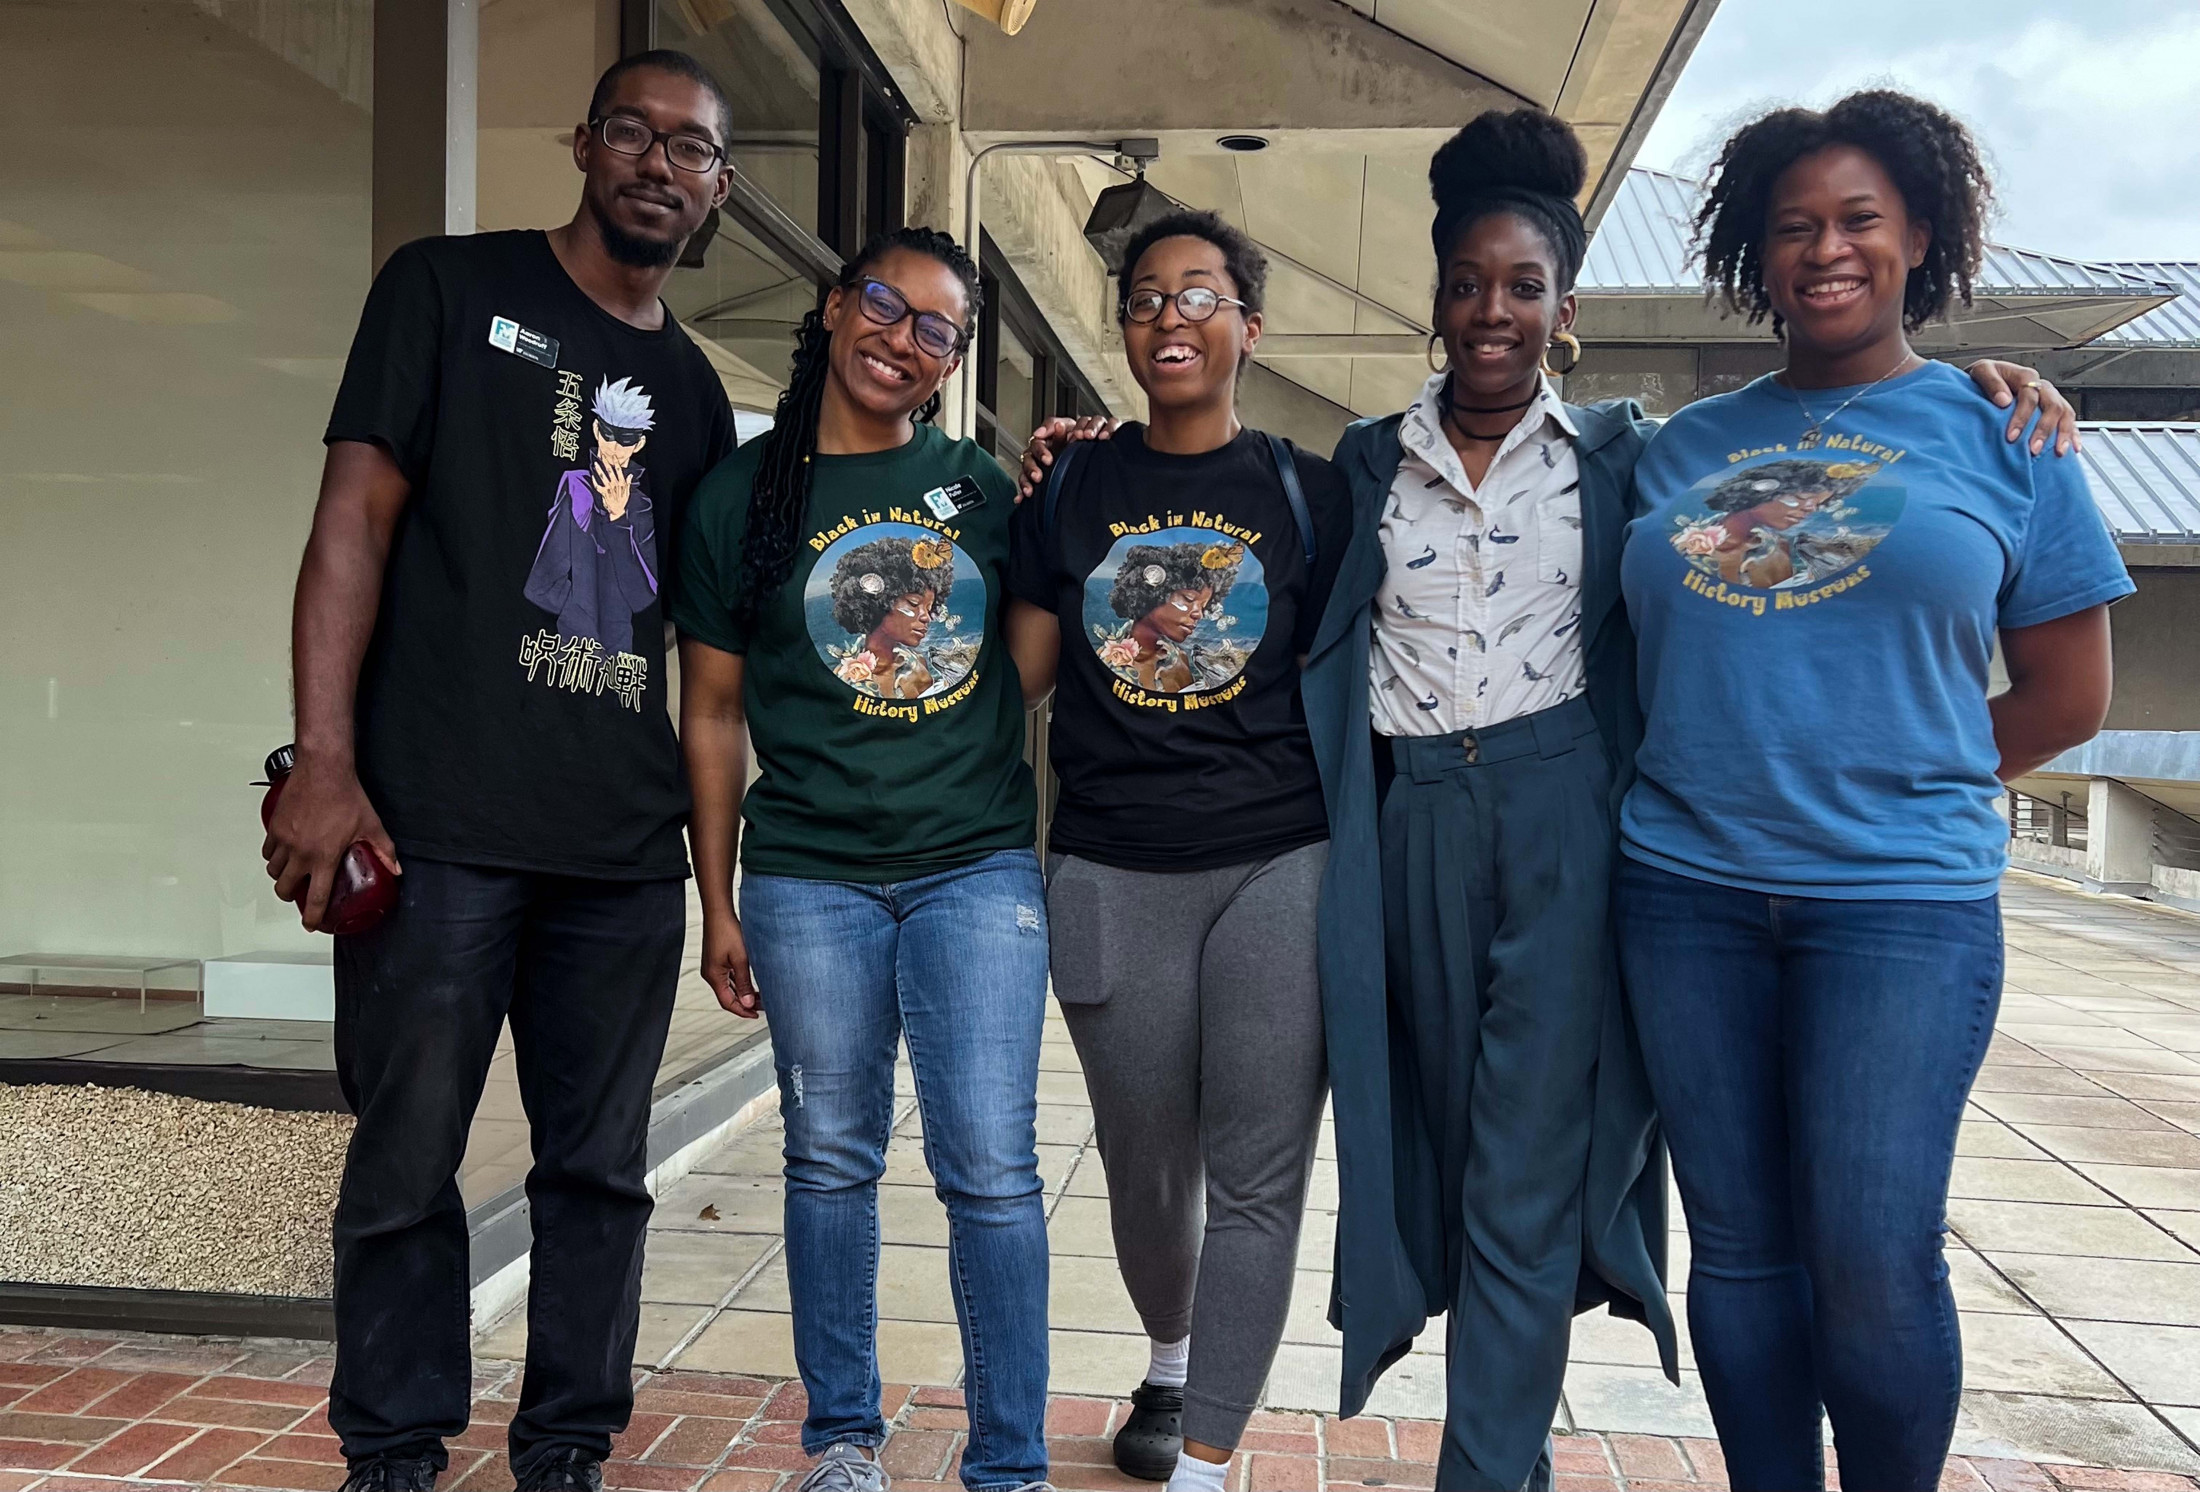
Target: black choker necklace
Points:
(1453, 410)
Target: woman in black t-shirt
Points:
(1172, 577)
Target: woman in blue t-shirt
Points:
(1818, 571)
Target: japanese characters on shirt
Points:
(595, 569)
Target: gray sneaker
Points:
(844, 1468)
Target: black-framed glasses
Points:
(629, 136)
(883, 305)
(1195, 304)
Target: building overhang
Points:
(1996, 321)
(1347, 99)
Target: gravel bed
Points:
(147, 1191)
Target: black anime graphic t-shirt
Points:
(1185, 601)
(512, 707)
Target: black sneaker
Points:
(1152, 1436)
(564, 1471)
(392, 1474)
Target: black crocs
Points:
(1153, 1433)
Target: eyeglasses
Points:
(629, 136)
(1195, 305)
(883, 305)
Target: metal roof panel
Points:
(2174, 325)
(2146, 479)
(1642, 246)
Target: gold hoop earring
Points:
(1572, 344)
(1433, 339)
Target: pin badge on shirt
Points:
(958, 496)
(507, 335)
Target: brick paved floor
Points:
(102, 1414)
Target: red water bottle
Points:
(365, 890)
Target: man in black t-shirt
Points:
(480, 679)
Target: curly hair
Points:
(1247, 265)
(1182, 567)
(1524, 162)
(871, 577)
(1929, 154)
(1773, 480)
(780, 493)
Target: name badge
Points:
(507, 335)
(959, 496)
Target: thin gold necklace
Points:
(1814, 430)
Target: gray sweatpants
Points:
(1193, 1002)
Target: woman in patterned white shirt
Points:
(1498, 1154)
(1499, 1158)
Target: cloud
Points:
(2093, 129)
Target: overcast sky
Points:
(2089, 112)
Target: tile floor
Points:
(2075, 1252)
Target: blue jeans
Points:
(1811, 1060)
(957, 963)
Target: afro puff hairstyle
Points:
(1524, 162)
(1934, 163)
(871, 577)
(1773, 480)
(1181, 567)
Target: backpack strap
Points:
(1294, 493)
(1057, 479)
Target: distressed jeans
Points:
(956, 963)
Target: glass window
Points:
(771, 76)
(175, 332)
(742, 304)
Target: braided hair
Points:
(780, 496)
(1930, 156)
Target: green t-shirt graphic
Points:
(885, 711)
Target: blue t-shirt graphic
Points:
(1816, 627)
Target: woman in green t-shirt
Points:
(841, 585)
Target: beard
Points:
(630, 249)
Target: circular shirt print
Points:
(886, 606)
(1790, 521)
(1179, 611)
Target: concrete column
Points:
(426, 55)
(934, 169)
(2119, 835)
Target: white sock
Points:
(1169, 1363)
(1195, 1475)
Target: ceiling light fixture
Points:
(1243, 144)
(1009, 15)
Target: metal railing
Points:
(2176, 839)
(2060, 824)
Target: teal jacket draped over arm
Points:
(1381, 1296)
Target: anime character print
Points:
(597, 563)
(884, 614)
(1178, 612)
(1787, 522)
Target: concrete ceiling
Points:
(1352, 96)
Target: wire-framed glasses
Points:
(1195, 304)
(883, 305)
(630, 136)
